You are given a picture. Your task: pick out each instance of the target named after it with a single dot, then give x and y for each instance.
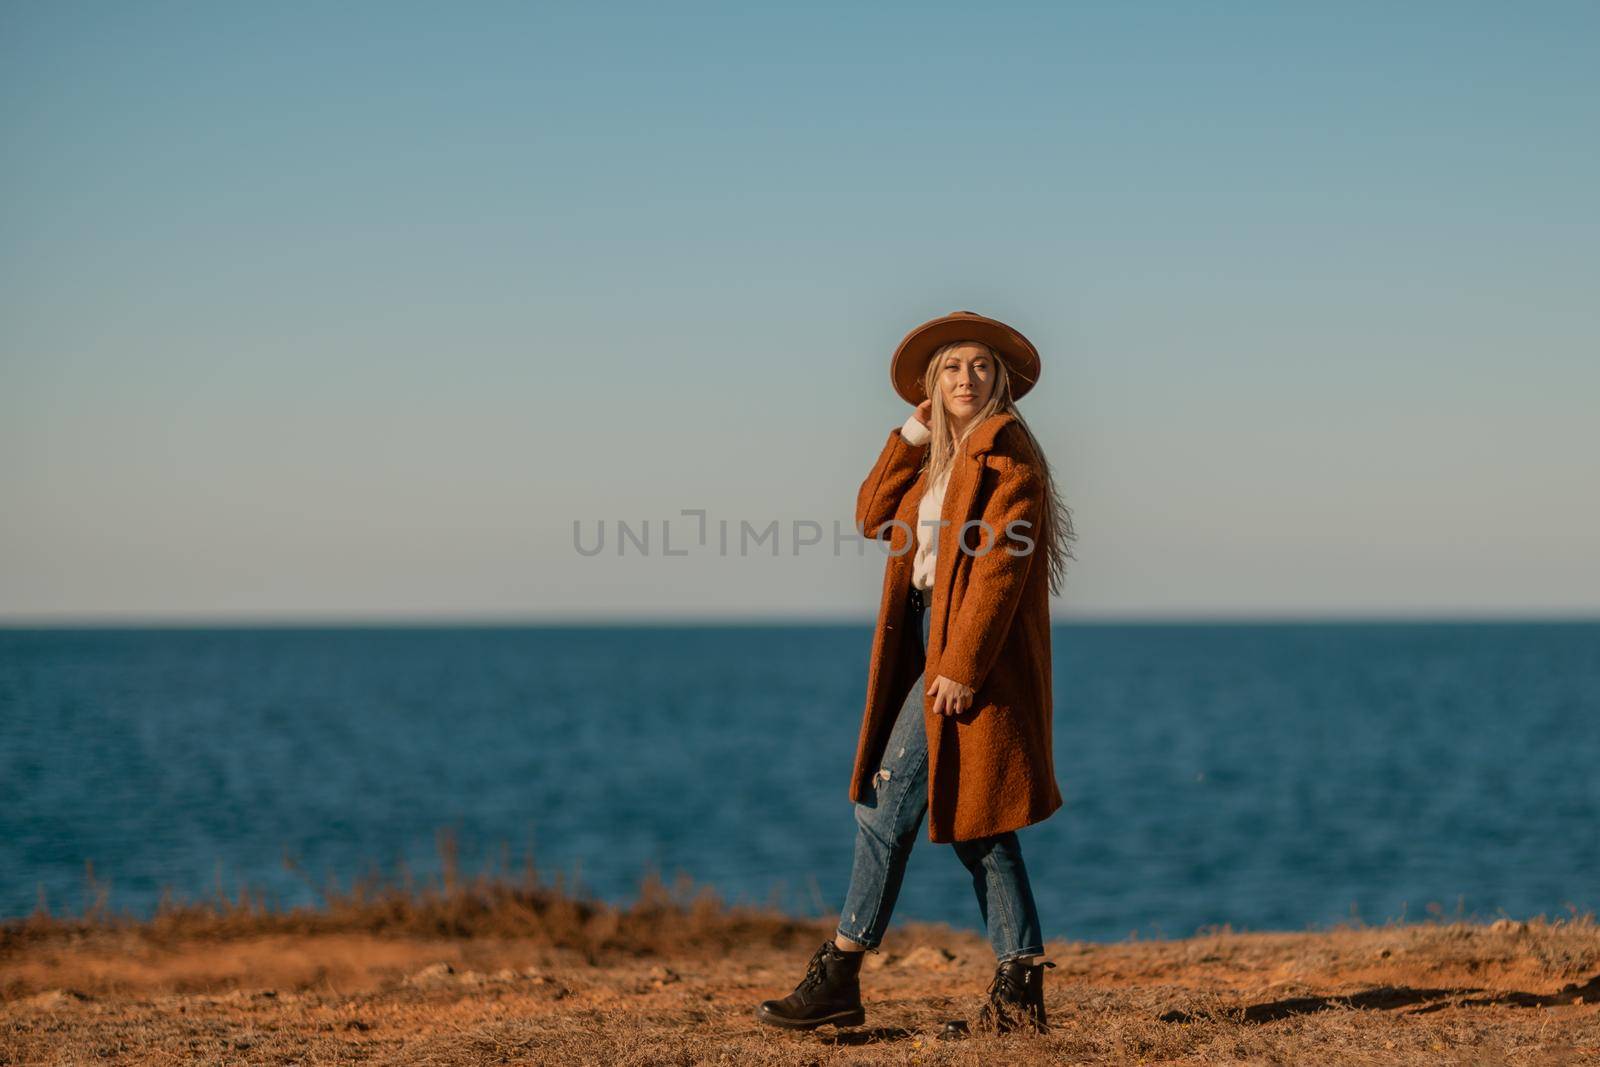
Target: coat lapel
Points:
(959, 498)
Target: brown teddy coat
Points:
(991, 767)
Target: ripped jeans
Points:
(889, 822)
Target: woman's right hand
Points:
(924, 413)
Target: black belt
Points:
(919, 600)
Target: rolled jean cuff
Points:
(1017, 955)
(860, 939)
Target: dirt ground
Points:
(1505, 993)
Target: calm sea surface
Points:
(1268, 776)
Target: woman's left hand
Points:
(950, 697)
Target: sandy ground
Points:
(1508, 993)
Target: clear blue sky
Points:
(328, 311)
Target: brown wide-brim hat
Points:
(910, 359)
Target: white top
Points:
(928, 511)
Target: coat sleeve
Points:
(897, 466)
(1012, 515)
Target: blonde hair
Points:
(1056, 529)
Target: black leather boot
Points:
(829, 993)
(1016, 1002)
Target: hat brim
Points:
(910, 359)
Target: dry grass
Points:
(498, 969)
(504, 900)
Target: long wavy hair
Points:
(1056, 530)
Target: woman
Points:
(958, 717)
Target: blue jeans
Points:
(889, 822)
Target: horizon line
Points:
(480, 620)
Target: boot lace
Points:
(1004, 988)
(1008, 1006)
(816, 972)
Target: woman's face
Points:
(966, 378)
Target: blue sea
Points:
(1272, 776)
